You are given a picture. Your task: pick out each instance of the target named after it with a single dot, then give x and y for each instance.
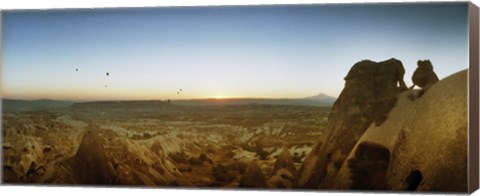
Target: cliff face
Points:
(370, 92)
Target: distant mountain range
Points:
(47, 104)
(322, 97)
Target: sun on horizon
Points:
(219, 96)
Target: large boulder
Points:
(370, 91)
(424, 76)
(434, 140)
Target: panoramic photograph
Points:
(263, 97)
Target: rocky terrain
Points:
(378, 135)
(160, 144)
(381, 136)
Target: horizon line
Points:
(186, 99)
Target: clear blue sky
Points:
(262, 51)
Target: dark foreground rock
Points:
(284, 171)
(421, 147)
(91, 165)
(370, 92)
(253, 177)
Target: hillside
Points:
(34, 105)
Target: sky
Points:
(289, 51)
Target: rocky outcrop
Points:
(138, 164)
(308, 177)
(28, 166)
(284, 171)
(422, 145)
(424, 76)
(253, 177)
(96, 156)
(433, 142)
(281, 178)
(91, 165)
(285, 161)
(370, 92)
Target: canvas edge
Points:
(473, 156)
(473, 85)
(1, 95)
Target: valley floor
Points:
(200, 146)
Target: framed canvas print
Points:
(307, 97)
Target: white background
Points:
(73, 191)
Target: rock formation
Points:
(308, 177)
(424, 76)
(139, 164)
(370, 92)
(281, 178)
(284, 171)
(435, 139)
(28, 165)
(285, 161)
(422, 146)
(91, 164)
(253, 177)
